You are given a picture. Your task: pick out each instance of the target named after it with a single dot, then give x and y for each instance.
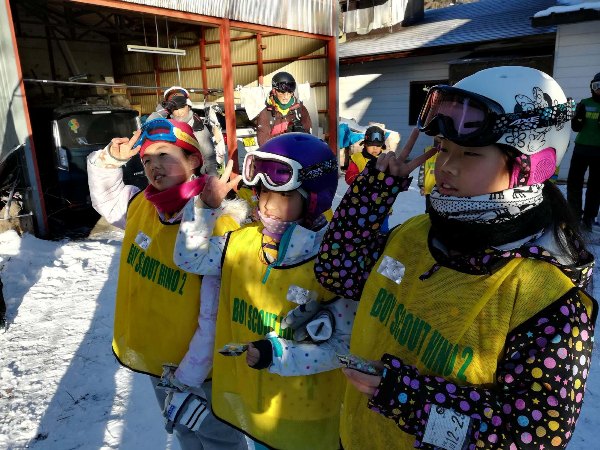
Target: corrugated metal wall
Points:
(305, 58)
(310, 16)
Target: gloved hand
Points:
(299, 316)
(580, 112)
(188, 408)
(169, 381)
(309, 321)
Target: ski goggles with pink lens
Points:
(278, 173)
(472, 120)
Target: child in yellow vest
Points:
(475, 314)
(157, 305)
(287, 393)
(373, 145)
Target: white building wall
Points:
(576, 61)
(378, 91)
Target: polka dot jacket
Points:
(541, 376)
(539, 392)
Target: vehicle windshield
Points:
(81, 130)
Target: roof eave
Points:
(434, 50)
(581, 15)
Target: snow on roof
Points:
(482, 21)
(568, 6)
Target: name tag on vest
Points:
(392, 269)
(143, 240)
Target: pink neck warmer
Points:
(172, 200)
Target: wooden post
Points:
(227, 75)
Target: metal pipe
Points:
(126, 86)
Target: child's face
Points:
(166, 165)
(470, 171)
(181, 113)
(285, 206)
(283, 97)
(374, 150)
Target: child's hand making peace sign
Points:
(122, 148)
(216, 189)
(394, 163)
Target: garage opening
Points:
(93, 72)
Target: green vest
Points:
(590, 133)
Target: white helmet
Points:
(521, 90)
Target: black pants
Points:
(579, 164)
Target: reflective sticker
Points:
(447, 429)
(392, 269)
(300, 295)
(143, 240)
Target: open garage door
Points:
(19, 180)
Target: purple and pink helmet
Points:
(295, 161)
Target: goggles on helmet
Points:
(595, 85)
(159, 130)
(285, 86)
(375, 136)
(279, 173)
(174, 102)
(473, 120)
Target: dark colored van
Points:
(79, 130)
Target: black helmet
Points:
(284, 82)
(596, 79)
(375, 136)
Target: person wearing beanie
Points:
(157, 305)
(476, 316)
(177, 105)
(285, 391)
(586, 157)
(373, 145)
(283, 112)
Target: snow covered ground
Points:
(60, 386)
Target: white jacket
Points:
(110, 197)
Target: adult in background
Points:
(586, 155)
(178, 106)
(283, 111)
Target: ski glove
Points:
(309, 322)
(169, 381)
(186, 408)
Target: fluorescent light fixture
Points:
(156, 50)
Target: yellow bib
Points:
(360, 161)
(282, 412)
(452, 325)
(156, 311)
